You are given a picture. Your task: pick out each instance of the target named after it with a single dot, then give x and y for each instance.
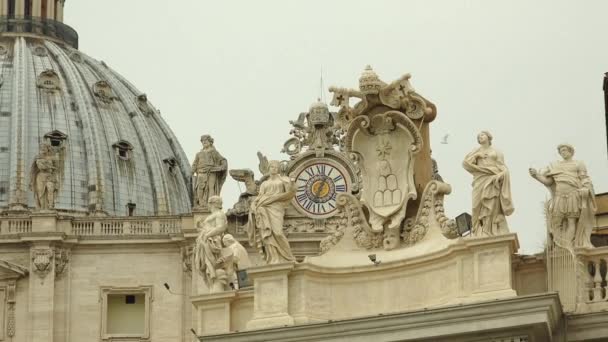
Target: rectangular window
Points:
(126, 312)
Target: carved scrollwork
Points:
(62, 258)
(187, 253)
(351, 214)
(432, 200)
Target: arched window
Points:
(124, 149)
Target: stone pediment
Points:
(9, 270)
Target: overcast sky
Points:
(530, 72)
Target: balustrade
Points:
(123, 227)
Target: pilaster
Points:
(271, 296)
(41, 292)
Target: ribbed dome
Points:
(114, 149)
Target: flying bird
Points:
(444, 140)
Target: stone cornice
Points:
(536, 315)
(463, 244)
(17, 270)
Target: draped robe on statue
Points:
(265, 226)
(491, 192)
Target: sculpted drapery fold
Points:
(491, 196)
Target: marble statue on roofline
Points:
(266, 216)
(571, 209)
(212, 260)
(491, 188)
(209, 171)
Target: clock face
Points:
(318, 186)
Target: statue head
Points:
(566, 151)
(228, 240)
(207, 140)
(215, 202)
(483, 137)
(274, 166)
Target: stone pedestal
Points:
(44, 221)
(213, 312)
(271, 296)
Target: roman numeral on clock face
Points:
(317, 188)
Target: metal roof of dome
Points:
(115, 150)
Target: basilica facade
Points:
(108, 233)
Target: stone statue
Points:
(571, 210)
(240, 258)
(265, 225)
(211, 258)
(239, 253)
(491, 188)
(43, 178)
(210, 169)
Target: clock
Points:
(317, 186)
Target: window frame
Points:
(104, 293)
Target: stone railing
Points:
(94, 226)
(125, 226)
(593, 280)
(15, 225)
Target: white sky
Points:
(530, 72)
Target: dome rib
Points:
(17, 198)
(92, 141)
(175, 147)
(149, 149)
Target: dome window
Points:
(103, 91)
(48, 80)
(56, 138)
(76, 57)
(144, 105)
(123, 149)
(171, 163)
(131, 208)
(40, 51)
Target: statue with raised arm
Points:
(572, 207)
(265, 225)
(210, 169)
(43, 178)
(211, 258)
(491, 188)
